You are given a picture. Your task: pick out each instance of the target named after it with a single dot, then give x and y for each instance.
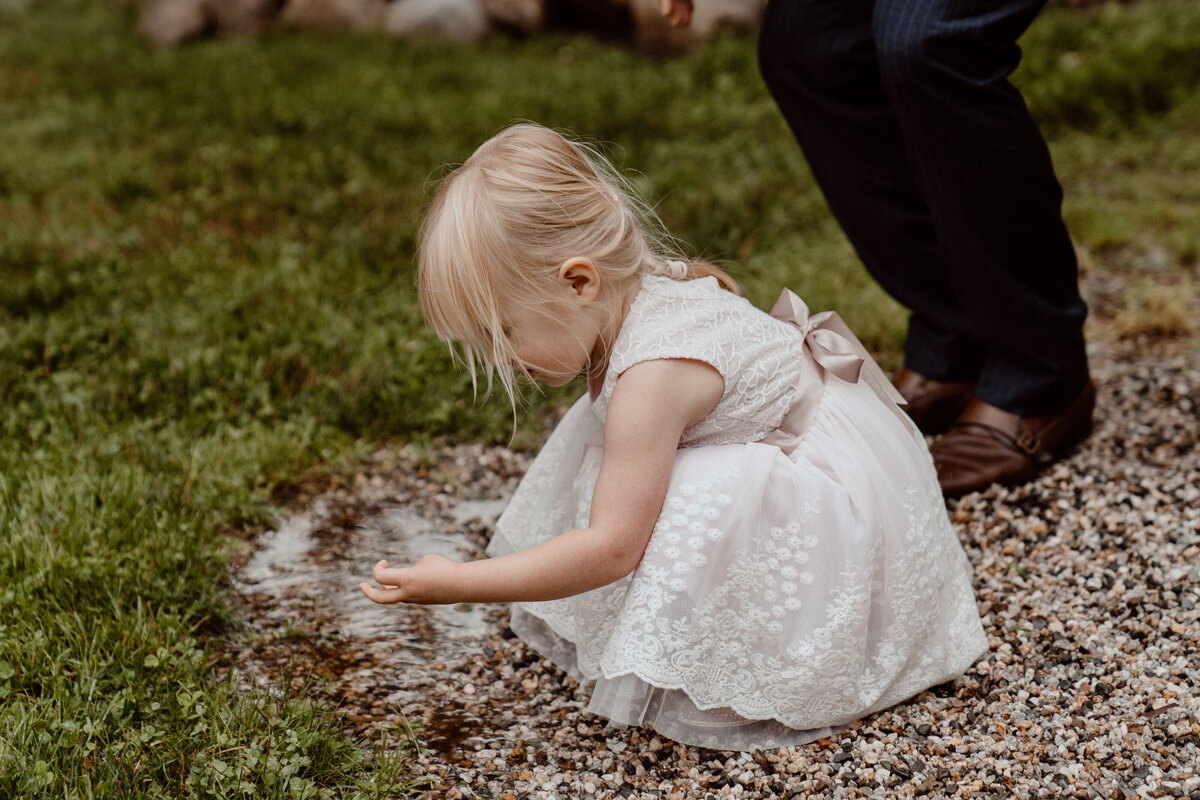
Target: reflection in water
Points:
(308, 571)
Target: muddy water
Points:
(304, 577)
(392, 671)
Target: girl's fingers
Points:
(385, 596)
(389, 590)
(385, 576)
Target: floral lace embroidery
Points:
(833, 673)
(757, 355)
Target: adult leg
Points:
(819, 59)
(984, 171)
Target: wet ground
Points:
(311, 565)
(308, 619)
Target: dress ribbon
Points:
(832, 348)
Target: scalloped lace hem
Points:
(631, 700)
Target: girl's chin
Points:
(553, 381)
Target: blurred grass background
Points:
(206, 290)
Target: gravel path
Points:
(1088, 581)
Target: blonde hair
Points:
(501, 224)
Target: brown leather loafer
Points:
(988, 445)
(932, 405)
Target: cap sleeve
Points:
(669, 319)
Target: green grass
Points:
(206, 289)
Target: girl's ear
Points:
(581, 276)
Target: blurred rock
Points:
(520, 16)
(173, 22)
(334, 15)
(654, 34)
(245, 17)
(452, 20)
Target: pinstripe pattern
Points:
(939, 176)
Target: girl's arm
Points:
(651, 405)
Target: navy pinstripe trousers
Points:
(936, 171)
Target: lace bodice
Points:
(758, 356)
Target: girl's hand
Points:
(430, 581)
(678, 11)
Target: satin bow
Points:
(832, 348)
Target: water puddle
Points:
(304, 578)
(449, 726)
(401, 670)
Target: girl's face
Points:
(552, 348)
(560, 339)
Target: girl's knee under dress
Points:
(782, 594)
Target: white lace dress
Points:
(782, 593)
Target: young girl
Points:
(735, 537)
